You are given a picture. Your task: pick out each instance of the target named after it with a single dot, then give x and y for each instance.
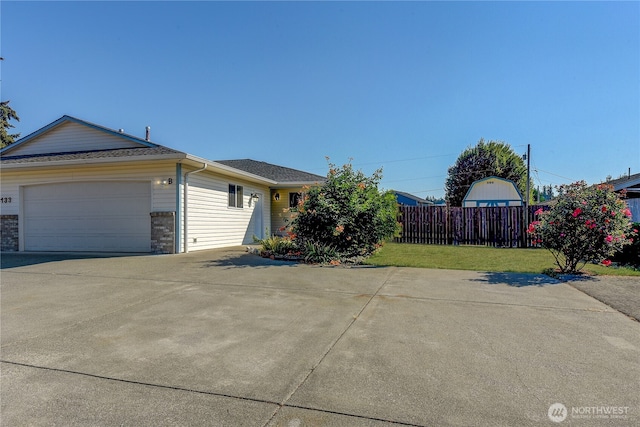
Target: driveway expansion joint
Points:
(333, 344)
(207, 393)
(506, 304)
(142, 383)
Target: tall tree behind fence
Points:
(441, 225)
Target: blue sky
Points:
(403, 86)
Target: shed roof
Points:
(470, 192)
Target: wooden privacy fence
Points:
(441, 225)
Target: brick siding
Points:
(163, 232)
(9, 235)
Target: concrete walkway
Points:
(223, 338)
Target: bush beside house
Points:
(343, 220)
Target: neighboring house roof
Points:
(630, 183)
(281, 174)
(418, 200)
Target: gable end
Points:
(67, 135)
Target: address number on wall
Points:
(5, 199)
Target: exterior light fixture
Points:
(276, 196)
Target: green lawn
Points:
(478, 258)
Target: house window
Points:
(294, 199)
(235, 196)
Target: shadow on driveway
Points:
(517, 280)
(23, 259)
(245, 260)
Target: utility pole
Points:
(528, 176)
(526, 201)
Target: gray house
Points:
(631, 185)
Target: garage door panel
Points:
(85, 226)
(88, 216)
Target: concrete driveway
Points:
(224, 338)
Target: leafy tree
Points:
(345, 218)
(544, 194)
(493, 158)
(435, 199)
(586, 224)
(7, 114)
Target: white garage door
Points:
(88, 217)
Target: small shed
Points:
(492, 191)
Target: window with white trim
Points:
(235, 196)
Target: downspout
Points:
(185, 220)
(178, 226)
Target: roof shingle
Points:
(93, 154)
(280, 174)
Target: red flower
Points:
(627, 212)
(539, 211)
(604, 209)
(577, 212)
(609, 239)
(606, 262)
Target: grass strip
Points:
(479, 258)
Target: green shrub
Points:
(277, 246)
(347, 216)
(630, 254)
(320, 253)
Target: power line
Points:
(406, 160)
(559, 176)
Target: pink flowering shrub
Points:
(587, 224)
